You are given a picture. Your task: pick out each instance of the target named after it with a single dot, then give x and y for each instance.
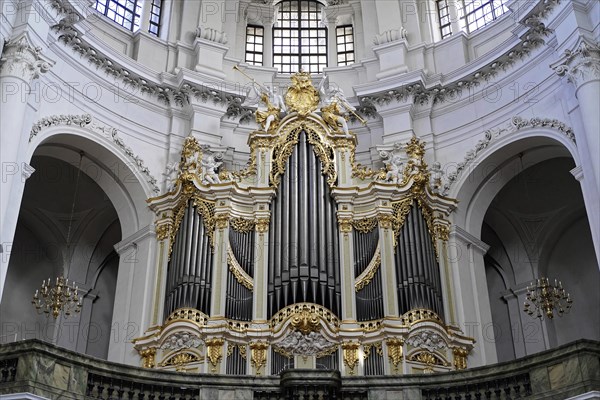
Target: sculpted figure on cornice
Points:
(197, 161)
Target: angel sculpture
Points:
(171, 173)
(394, 167)
(331, 98)
(267, 117)
(211, 165)
(435, 178)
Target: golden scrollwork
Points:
(327, 352)
(288, 138)
(241, 349)
(350, 355)
(365, 225)
(302, 97)
(345, 224)
(180, 360)
(238, 272)
(204, 207)
(369, 346)
(188, 314)
(214, 351)
(221, 220)
(460, 357)
(162, 231)
(313, 309)
(367, 275)
(148, 356)
(242, 225)
(385, 220)
(429, 359)
(262, 224)
(306, 320)
(419, 314)
(258, 356)
(395, 352)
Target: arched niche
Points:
(114, 190)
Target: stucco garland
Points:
(516, 124)
(106, 131)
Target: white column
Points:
(581, 67)
(474, 314)
(132, 313)
(21, 63)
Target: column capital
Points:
(22, 59)
(580, 65)
(147, 232)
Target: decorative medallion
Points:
(302, 96)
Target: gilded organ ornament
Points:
(235, 212)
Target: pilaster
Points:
(20, 64)
(470, 285)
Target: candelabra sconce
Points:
(56, 298)
(544, 297)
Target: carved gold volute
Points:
(350, 350)
(394, 347)
(306, 321)
(214, 352)
(302, 97)
(148, 357)
(259, 355)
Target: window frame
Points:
(254, 44)
(298, 30)
(136, 12)
(346, 52)
(155, 5)
(463, 16)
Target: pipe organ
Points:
(303, 259)
(303, 236)
(189, 272)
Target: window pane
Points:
(300, 19)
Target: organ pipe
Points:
(190, 267)
(417, 269)
(369, 300)
(304, 260)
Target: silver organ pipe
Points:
(417, 269)
(190, 266)
(238, 304)
(369, 300)
(304, 263)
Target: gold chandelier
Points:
(543, 298)
(61, 296)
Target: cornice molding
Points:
(458, 232)
(420, 91)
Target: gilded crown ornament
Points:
(302, 97)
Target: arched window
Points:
(299, 37)
(471, 14)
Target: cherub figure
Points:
(171, 173)
(435, 177)
(394, 168)
(211, 165)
